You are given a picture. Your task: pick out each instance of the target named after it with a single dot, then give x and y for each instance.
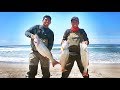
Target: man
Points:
(47, 37)
(74, 36)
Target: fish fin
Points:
(63, 70)
(55, 63)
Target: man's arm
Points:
(65, 36)
(30, 32)
(85, 37)
(51, 41)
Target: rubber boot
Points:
(45, 72)
(32, 71)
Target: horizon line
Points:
(53, 45)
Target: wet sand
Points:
(19, 70)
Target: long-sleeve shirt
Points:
(43, 33)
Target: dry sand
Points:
(18, 70)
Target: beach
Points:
(96, 70)
(104, 62)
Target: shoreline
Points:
(96, 70)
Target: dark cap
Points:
(75, 18)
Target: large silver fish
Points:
(64, 55)
(84, 56)
(43, 50)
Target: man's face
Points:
(74, 23)
(46, 22)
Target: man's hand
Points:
(85, 42)
(62, 42)
(32, 36)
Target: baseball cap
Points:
(75, 18)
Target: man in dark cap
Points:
(75, 36)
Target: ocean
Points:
(98, 53)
